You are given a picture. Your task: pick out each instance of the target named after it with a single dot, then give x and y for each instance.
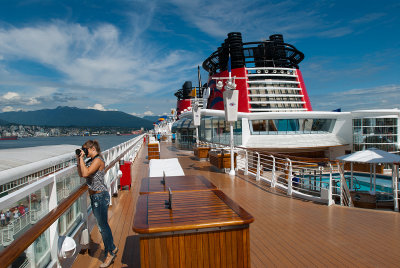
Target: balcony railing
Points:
(50, 198)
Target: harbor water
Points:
(105, 141)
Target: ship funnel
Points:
(187, 89)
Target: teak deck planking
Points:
(287, 232)
(176, 183)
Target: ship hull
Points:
(7, 138)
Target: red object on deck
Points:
(126, 178)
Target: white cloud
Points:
(10, 109)
(11, 96)
(368, 18)
(148, 113)
(33, 101)
(96, 58)
(382, 97)
(294, 19)
(219, 17)
(100, 107)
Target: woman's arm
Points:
(78, 165)
(87, 171)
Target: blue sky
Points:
(132, 56)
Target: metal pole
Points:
(341, 184)
(258, 167)
(246, 167)
(273, 180)
(197, 135)
(374, 178)
(330, 199)
(351, 186)
(396, 188)
(289, 190)
(232, 172)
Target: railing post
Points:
(396, 187)
(341, 185)
(273, 179)
(330, 199)
(289, 189)
(246, 164)
(53, 232)
(258, 167)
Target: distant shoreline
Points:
(106, 141)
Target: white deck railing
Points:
(311, 181)
(60, 185)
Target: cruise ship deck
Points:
(287, 232)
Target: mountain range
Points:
(64, 116)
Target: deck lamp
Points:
(231, 97)
(219, 85)
(196, 118)
(67, 247)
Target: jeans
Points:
(100, 204)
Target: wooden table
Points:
(203, 229)
(176, 183)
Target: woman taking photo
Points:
(93, 171)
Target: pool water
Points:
(361, 181)
(383, 184)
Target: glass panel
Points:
(356, 122)
(282, 125)
(67, 182)
(293, 125)
(41, 248)
(225, 132)
(367, 122)
(306, 125)
(21, 215)
(70, 218)
(190, 124)
(390, 121)
(259, 126)
(237, 131)
(323, 125)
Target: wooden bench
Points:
(221, 159)
(201, 152)
(153, 150)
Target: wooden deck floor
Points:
(287, 232)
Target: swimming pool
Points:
(361, 181)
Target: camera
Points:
(85, 150)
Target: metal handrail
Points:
(19, 245)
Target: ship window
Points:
(291, 126)
(258, 126)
